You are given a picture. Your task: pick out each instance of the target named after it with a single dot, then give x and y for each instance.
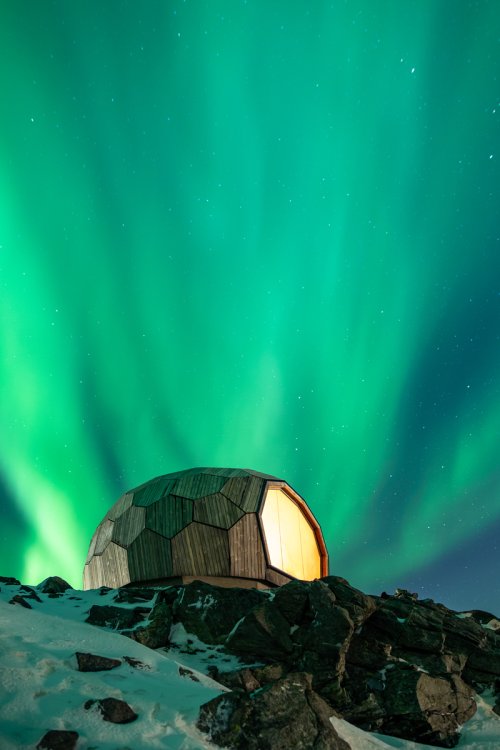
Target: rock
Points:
(155, 633)
(262, 633)
(113, 710)
(58, 739)
(286, 715)
(184, 672)
(133, 595)
(54, 585)
(30, 593)
(211, 612)
(136, 663)
(18, 599)
(411, 704)
(323, 639)
(359, 606)
(94, 663)
(117, 618)
(292, 600)
(248, 679)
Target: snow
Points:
(41, 687)
(482, 732)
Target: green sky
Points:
(257, 234)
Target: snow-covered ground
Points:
(42, 689)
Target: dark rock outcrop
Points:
(116, 617)
(391, 663)
(58, 739)
(211, 612)
(156, 629)
(54, 586)
(93, 663)
(289, 714)
(113, 710)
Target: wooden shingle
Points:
(103, 536)
(245, 546)
(115, 566)
(149, 556)
(169, 516)
(217, 510)
(153, 491)
(201, 550)
(123, 502)
(198, 486)
(129, 525)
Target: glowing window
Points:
(290, 539)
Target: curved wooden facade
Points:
(233, 527)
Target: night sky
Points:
(258, 234)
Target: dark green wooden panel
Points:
(169, 515)
(246, 548)
(201, 550)
(154, 490)
(235, 488)
(149, 557)
(251, 499)
(217, 510)
(129, 525)
(197, 486)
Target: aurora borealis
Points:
(255, 234)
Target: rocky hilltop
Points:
(390, 664)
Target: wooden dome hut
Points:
(229, 527)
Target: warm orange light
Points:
(291, 542)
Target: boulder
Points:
(113, 710)
(286, 715)
(156, 631)
(18, 599)
(261, 634)
(117, 618)
(54, 585)
(359, 606)
(93, 663)
(58, 739)
(404, 702)
(211, 612)
(132, 595)
(292, 600)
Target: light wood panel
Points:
(115, 572)
(92, 545)
(277, 578)
(103, 536)
(92, 574)
(201, 550)
(245, 546)
(124, 502)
